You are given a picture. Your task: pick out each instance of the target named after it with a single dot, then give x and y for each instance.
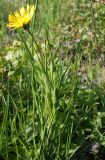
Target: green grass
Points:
(52, 83)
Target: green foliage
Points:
(52, 88)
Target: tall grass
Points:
(50, 109)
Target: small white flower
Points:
(10, 73)
(9, 56)
(35, 57)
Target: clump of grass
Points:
(51, 101)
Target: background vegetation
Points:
(52, 82)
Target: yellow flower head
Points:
(22, 18)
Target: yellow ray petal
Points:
(22, 11)
(32, 10)
(28, 7)
(16, 14)
(11, 18)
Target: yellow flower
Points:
(22, 18)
